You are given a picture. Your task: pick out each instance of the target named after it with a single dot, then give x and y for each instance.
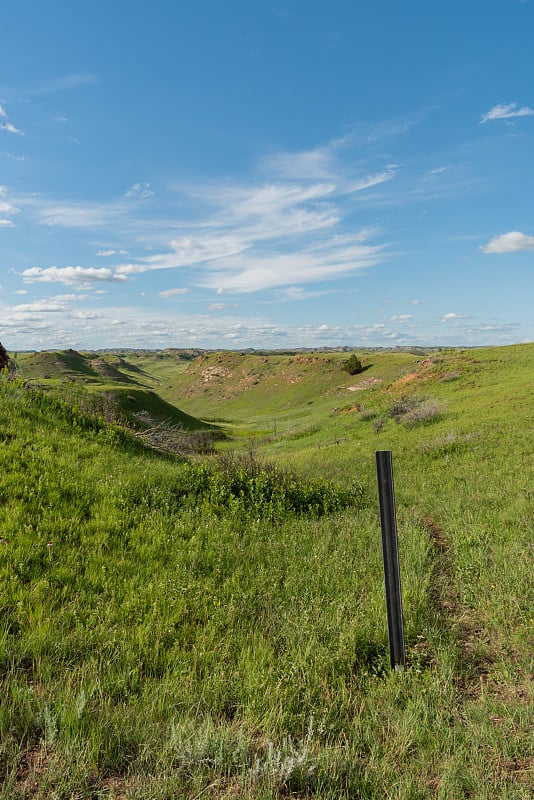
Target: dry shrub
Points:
(411, 410)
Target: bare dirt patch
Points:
(115, 787)
(211, 374)
(422, 374)
(367, 383)
(352, 409)
(33, 766)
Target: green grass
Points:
(163, 634)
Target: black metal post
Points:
(390, 552)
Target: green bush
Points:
(353, 365)
(248, 486)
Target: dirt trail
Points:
(475, 651)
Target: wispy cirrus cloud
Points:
(327, 260)
(3, 112)
(173, 292)
(506, 111)
(70, 275)
(512, 242)
(76, 214)
(243, 237)
(139, 191)
(314, 164)
(63, 83)
(269, 235)
(299, 293)
(10, 128)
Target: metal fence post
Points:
(390, 553)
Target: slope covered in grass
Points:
(106, 385)
(173, 631)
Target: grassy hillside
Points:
(216, 628)
(106, 385)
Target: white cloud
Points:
(370, 180)
(5, 206)
(6, 223)
(452, 315)
(2, 112)
(188, 252)
(173, 292)
(112, 253)
(506, 111)
(512, 242)
(10, 128)
(140, 191)
(70, 275)
(221, 306)
(299, 293)
(249, 272)
(40, 306)
(401, 317)
(11, 157)
(416, 302)
(272, 198)
(84, 327)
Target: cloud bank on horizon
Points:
(233, 185)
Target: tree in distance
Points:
(353, 365)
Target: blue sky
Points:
(274, 174)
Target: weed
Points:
(378, 424)
(281, 762)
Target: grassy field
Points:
(214, 626)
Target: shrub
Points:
(353, 365)
(424, 412)
(378, 424)
(249, 486)
(411, 410)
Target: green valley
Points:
(191, 584)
